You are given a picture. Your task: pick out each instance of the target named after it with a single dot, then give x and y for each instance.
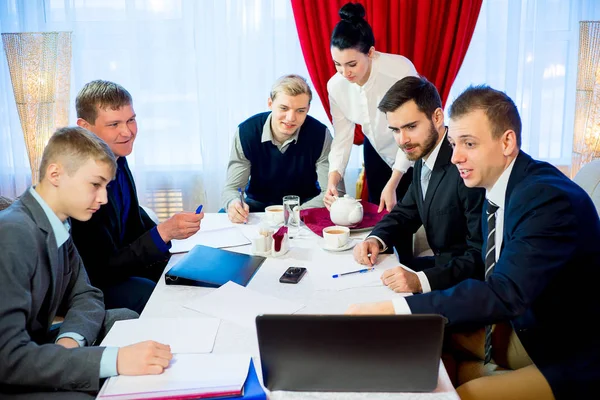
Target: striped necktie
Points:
(490, 262)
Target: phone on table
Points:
(292, 275)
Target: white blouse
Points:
(352, 104)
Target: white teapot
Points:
(346, 211)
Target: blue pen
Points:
(359, 271)
(241, 197)
(199, 209)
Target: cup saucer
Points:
(350, 244)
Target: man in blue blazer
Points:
(542, 258)
(124, 251)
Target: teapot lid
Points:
(347, 199)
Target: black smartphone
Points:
(292, 275)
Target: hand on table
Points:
(401, 280)
(380, 308)
(144, 358)
(366, 252)
(180, 226)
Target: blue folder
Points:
(252, 387)
(211, 267)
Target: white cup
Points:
(336, 236)
(274, 215)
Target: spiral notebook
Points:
(212, 267)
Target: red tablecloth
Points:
(316, 219)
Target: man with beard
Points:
(437, 199)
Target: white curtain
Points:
(529, 49)
(195, 69)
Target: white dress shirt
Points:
(497, 195)
(352, 104)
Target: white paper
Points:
(199, 373)
(184, 335)
(218, 238)
(241, 305)
(321, 273)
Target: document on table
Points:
(241, 305)
(219, 238)
(205, 375)
(184, 335)
(321, 273)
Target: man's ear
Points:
(270, 103)
(438, 118)
(53, 173)
(509, 142)
(83, 123)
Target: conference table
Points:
(305, 250)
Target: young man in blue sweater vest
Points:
(278, 153)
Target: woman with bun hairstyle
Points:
(364, 76)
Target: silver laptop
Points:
(344, 353)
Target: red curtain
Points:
(433, 34)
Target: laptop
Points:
(345, 353)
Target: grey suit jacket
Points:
(37, 281)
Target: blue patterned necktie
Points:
(425, 175)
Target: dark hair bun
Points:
(352, 12)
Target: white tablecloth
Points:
(305, 250)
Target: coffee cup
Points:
(274, 215)
(336, 236)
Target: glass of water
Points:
(291, 215)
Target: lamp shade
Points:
(586, 134)
(40, 72)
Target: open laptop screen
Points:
(343, 353)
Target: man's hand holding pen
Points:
(238, 211)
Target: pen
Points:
(199, 209)
(241, 195)
(242, 198)
(358, 271)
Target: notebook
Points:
(211, 267)
(344, 353)
(188, 376)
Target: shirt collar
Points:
(497, 194)
(430, 162)
(267, 134)
(60, 229)
(372, 75)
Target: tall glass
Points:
(291, 215)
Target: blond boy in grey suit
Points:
(42, 276)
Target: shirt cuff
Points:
(383, 245)
(401, 306)
(75, 336)
(108, 362)
(425, 286)
(160, 244)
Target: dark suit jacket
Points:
(545, 281)
(451, 215)
(37, 280)
(107, 258)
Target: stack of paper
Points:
(241, 305)
(191, 373)
(198, 375)
(218, 238)
(184, 335)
